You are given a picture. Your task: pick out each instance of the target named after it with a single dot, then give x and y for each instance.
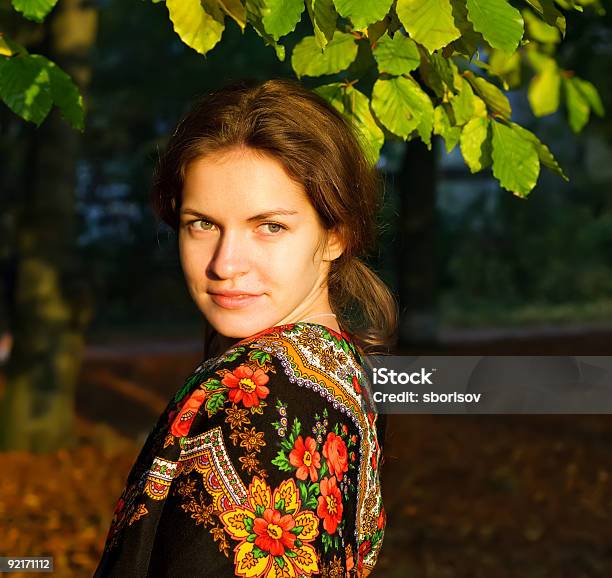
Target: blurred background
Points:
(476, 271)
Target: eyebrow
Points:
(259, 217)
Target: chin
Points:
(237, 325)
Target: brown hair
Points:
(321, 151)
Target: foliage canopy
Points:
(395, 68)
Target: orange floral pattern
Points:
(246, 385)
(274, 533)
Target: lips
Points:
(234, 299)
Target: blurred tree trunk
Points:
(51, 302)
(416, 250)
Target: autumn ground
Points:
(467, 496)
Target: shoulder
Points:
(318, 362)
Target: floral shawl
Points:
(265, 464)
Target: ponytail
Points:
(364, 305)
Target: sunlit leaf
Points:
(429, 22)
(309, 60)
(35, 10)
(548, 12)
(591, 95)
(544, 153)
(494, 98)
(476, 144)
(356, 107)
(363, 12)
(397, 55)
(196, 27)
(516, 164)
(500, 24)
(539, 31)
(323, 16)
(463, 103)
(578, 109)
(279, 17)
(401, 106)
(544, 90)
(444, 128)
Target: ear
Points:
(334, 246)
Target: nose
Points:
(230, 258)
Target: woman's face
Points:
(249, 244)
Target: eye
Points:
(206, 225)
(274, 228)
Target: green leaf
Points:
(196, 27)
(444, 128)
(546, 157)
(25, 87)
(470, 40)
(500, 24)
(66, 95)
(401, 105)
(589, 92)
(254, 10)
(355, 106)
(35, 10)
(429, 22)
(215, 402)
(279, 17)
(494, 98)
(323, 16)
(235, 10)
(376, 30)
(548, 12)
(282, 462)
(212, 384)
(308, 59)
(260, 357)
(539, 31)
(397, 55)
(234, 354)
(507, 68)
(438, 73)
(515, 160)
(363, 12)
(463, 103)
(578, 109)
(544, 90)
(476, 144)
(295, 429)
(9, 47)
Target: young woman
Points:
(266, 462)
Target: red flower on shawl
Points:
(182, 422)
(305, 457)
(330, 504)
(274, 532)
(336, 454)
(246, 385)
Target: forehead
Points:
(241, 181)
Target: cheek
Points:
(194, 258)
